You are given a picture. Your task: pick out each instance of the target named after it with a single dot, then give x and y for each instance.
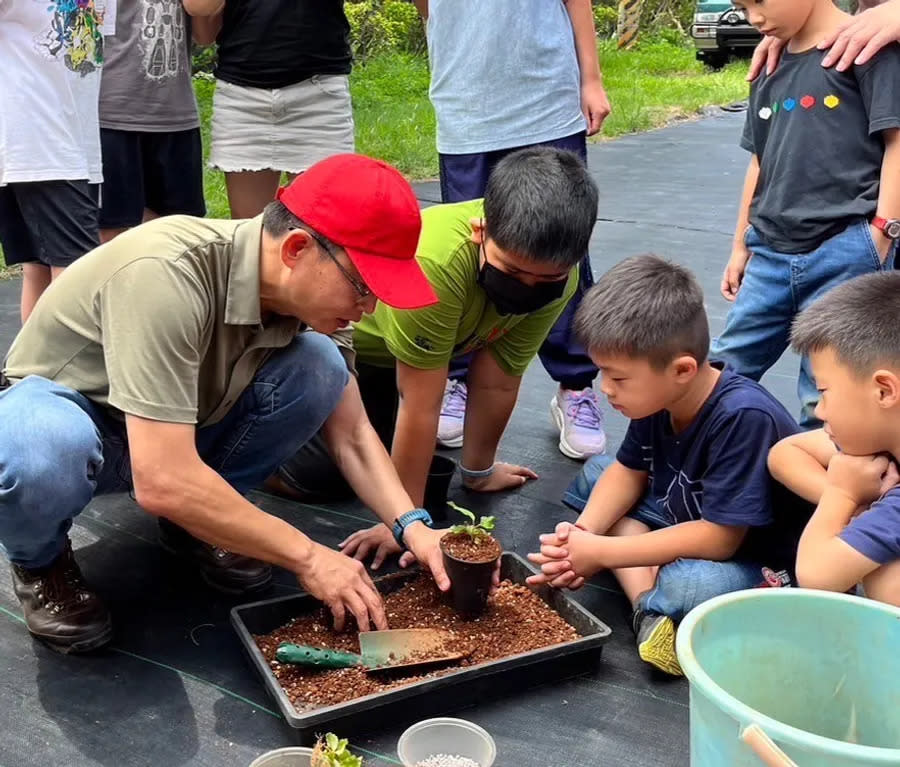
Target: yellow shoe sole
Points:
(658, 649)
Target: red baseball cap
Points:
(366, 207)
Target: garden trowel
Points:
(379, 651)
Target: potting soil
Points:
(480, 548)
(516, 621)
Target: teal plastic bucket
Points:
(784, 677)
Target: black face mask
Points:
(510, 296)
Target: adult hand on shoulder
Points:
(862, 36)
(734, 272)
(594, 105)
(505, 476)
(767, 55)
(858, 477)
(343, 585)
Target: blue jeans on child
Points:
(680, 585)
(778, 286)
(58, 449)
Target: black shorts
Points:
(49, 222)
(162, 172)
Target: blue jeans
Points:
(680, 585)
(58, 449)
(465, 177)
(776, 287)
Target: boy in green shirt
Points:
(503, 269)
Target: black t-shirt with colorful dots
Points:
(817, 133)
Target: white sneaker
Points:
(578, 417)
(453, 415)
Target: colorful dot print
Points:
(807, 102)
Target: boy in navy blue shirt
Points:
(687, 510)
(821, 198)
(849, 468)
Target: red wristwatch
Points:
(889, 226)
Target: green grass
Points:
(661, 82)
(648, 87)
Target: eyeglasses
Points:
(361, 289)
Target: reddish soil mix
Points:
(481, 548)
(516, 621)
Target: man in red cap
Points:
(171, 361)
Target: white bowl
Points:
(294, 756)
(455, 737)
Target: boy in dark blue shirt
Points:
(849, 468)
(821, 199)
(687, 510)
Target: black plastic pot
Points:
(470, 583)
(436, 487)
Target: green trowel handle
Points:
(316, 656)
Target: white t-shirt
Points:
(51, 53)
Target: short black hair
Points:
(645, 307)
(541, 204)
(278, 221)
(859, 320)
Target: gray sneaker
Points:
(453, 414)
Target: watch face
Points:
(892, 229)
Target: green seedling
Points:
(473, 529)
(331, 751)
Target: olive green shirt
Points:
(464, 319)
(163, 322)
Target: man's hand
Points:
(734, 272)
(504, 477)
(767, 54)
(594, 105)
(861, 37)
(861, 478)
(425, 548)
(377, 539)
(423, 542)
(342, 584)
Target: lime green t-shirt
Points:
(464, 319)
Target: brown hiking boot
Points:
(221, 569)
(59, 607)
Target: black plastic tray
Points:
(430, 696)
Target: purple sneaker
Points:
(579, 419)
(453, 414)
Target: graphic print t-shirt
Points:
(817, 133)
(146, 83)
(715, 469)
(51, 54)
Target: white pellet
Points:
(446, 760)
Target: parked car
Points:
(720, 30)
